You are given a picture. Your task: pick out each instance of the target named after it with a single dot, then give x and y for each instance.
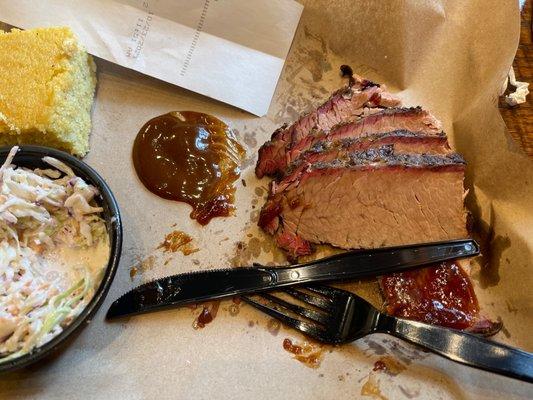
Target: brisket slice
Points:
(375, 199)
(346, 104)
(441, 294)
(415, 142)
(399, 141)
(413, 119)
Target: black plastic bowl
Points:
(31, 157)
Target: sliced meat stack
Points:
(372, 198)
(347, 104)
(360, 171)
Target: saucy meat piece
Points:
(441, 295)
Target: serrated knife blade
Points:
(192, 287)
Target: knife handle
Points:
(364, 263)
(462, 347)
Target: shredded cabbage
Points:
(40, 211)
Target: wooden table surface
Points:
(519, 119)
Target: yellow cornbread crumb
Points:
(47, 83)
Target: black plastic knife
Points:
(199, 286)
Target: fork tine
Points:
(307, 328)
(316, 301)
(316, 316)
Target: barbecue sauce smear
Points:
(190, 157)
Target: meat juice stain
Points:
(178, 241)
(207, 315)
(292, 348)
(389, 365)
(309, 355)
(379, 365)
(204, 318)
(133, 272)
(234, 307)
(190, 157)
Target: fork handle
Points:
(462, 347)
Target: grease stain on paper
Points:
(308, 77)
(492, 247)
(142, 266)
(490, 274)
(247, 252)
(235, 307)
(371, 388)
(273, 326)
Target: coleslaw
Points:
(54, 248)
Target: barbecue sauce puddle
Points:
(190, 157)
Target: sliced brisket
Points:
(413, 119)
(399, 141)
(414, 142)
(376, 198)
(346, 104)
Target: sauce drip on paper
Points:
(207, 315)
(306, 353)
(191, 157)
(178, 241)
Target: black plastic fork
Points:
(336, 316)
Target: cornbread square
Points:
(47, 83)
